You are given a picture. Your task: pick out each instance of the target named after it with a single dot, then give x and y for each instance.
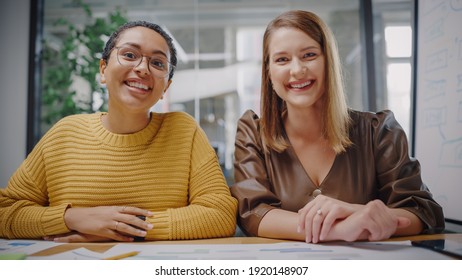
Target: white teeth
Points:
(138, 85)
(301, 85)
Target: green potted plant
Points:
(70, 83)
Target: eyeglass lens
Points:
(131, 57)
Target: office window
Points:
(398, 92)
(398, 41)
(393, 39)
(219, 56)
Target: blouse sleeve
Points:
(399, 176)
(252, 187)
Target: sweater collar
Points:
(141, 137)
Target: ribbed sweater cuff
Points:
(161, 229)
(53, 220)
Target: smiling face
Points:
(135, 89)
(296, 68)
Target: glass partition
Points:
(219, 46)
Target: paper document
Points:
(284, 251)
(402, 250)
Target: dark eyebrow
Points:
(137, 46)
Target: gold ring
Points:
(319, 212)
(117, 224)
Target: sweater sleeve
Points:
(24, 205)
(211, 211)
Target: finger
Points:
(327, 224)
(71, 238)
(309, 225)
(350, 229)
(79, 237)
(130, 230)
(119, 232)
(304, 211)
(134, 211)
(336, 211)
(135, 222)
(53, 237)
(120, 237)
(65, 239)
(316, 225)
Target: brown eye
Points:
(309, 55)
(282, 59)
(129, 54)
(158, 63)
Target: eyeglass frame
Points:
(149, 58)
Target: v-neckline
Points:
(300, 164)
(294, 155)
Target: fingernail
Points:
(150, 226)
(149, 213)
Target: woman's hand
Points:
(74, 237)
(329, 219)
(319, 215)
(119, 223)
(375, 221)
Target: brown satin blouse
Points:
(376, 166)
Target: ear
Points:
(102, 69)
(166, 87)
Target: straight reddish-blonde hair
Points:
(335, 115)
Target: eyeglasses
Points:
(131, 57)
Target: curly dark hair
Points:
(110, 44)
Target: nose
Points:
(143, 66)
(297, 67)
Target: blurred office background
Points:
(219, 51)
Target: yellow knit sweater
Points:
(168, 168)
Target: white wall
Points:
(14, 50)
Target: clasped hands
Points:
(325, 219)
(103, 223)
